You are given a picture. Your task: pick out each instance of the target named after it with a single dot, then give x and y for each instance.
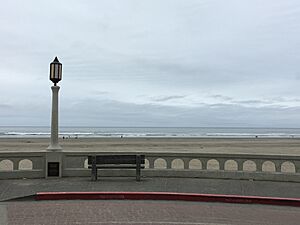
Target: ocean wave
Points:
(44, 134)
(25, 133)
(136, 134)
(251, 135)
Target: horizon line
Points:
(86, 126)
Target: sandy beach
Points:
(287, 146)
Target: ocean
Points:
(180, 132)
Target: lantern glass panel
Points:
(56, 71)
(60, 71)
(52, 71)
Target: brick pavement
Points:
(10, 189)
(146, 213)
(112, 212)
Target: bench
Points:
(96, 162)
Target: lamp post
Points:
(55, 77)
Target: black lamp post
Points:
(55, 71)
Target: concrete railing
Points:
(196, 165)
(22, 165)
(230, 166)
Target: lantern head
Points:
(55, 71)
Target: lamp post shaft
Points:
(54, 145)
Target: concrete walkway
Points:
(14, 211)
(144, 213)
(12, 189)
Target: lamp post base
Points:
(54, 164)
(54, 148)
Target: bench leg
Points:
(94, 169)
(94, 174)
(138, 168)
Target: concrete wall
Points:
(198, 165)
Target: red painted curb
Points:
(166, 196)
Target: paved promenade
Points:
(20, 209)
(10, 189)
(145, 213)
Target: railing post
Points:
(16, 164)
(221, 164)
(138, 167)
(94, 168)
(204, 164)
(186, 163)
(151, 162)
(240, 164)
(277, 166)
(259, 164)
(169, 162)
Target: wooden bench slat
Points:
(116, 159)
(116, 167)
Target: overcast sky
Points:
(152, 62)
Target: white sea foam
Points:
(251, 135)
(86, 132)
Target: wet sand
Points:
(284, 146)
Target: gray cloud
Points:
(167, 98)
(116, 113)
(221, 97)
(219, 63)
(5, 106)
(103, 112)
(253, 102)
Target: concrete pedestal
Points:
(54, 146)
(54, 164)
(54, 156)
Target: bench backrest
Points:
(116, 159)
